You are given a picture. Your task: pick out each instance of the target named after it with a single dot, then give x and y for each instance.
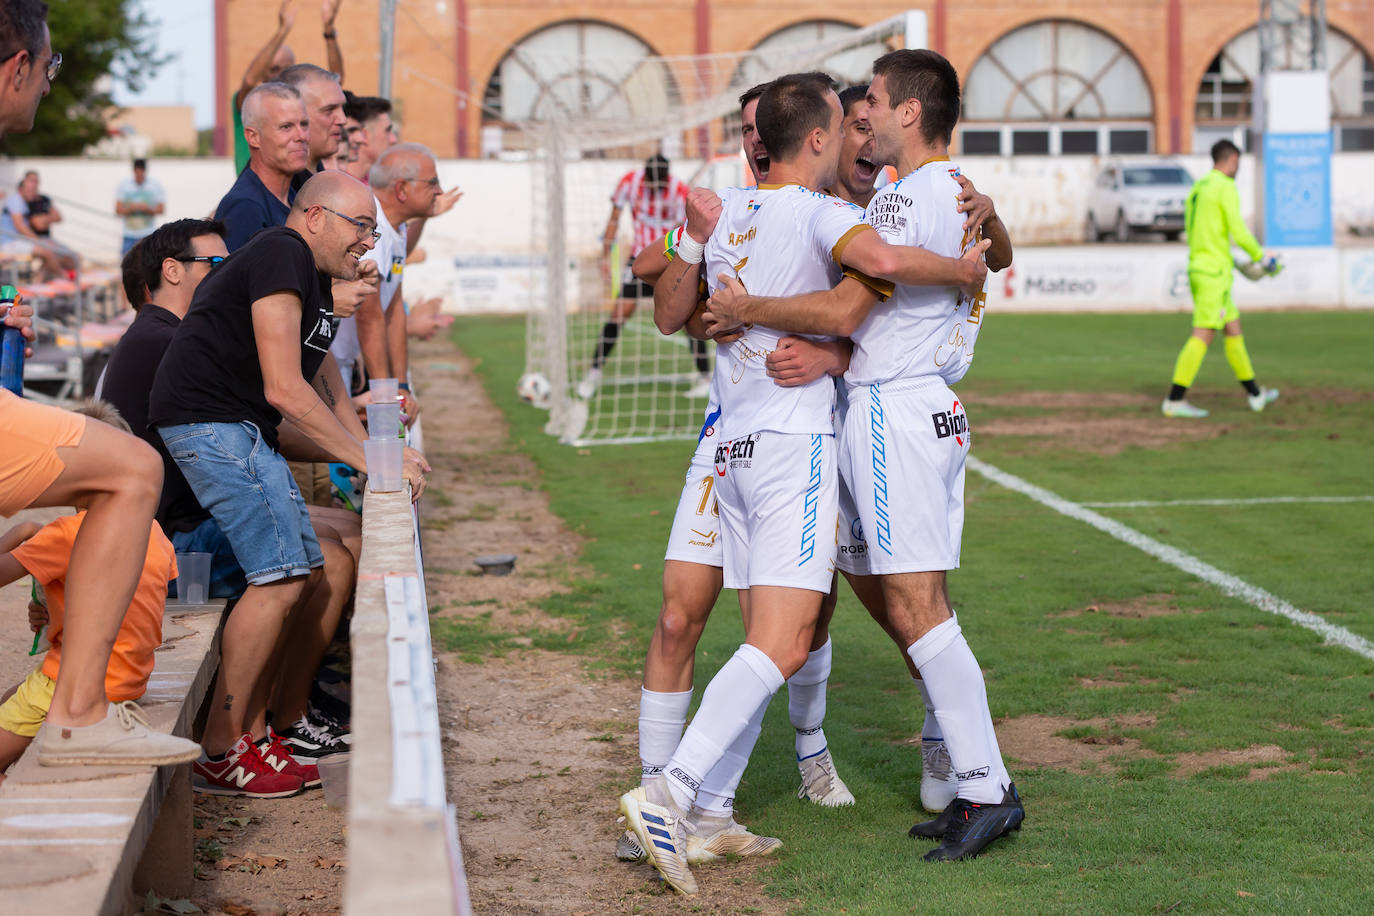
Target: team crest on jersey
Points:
(952, 422)
(398, 263)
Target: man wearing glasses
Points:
(54, 457)
(254, 350)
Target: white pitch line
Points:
(1256, 501)
(1231, 585)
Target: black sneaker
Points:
(308, 741)
(973, 826)
(322, 719)
(324, 706)
(934, 829)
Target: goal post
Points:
(599, 118)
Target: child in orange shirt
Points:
(43, 552)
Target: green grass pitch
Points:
(1177, 749)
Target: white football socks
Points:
(717, 795)
(806, 701)
(743, 685)
(955, 682)
(930, 728)
(661, 718)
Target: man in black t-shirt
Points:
(252, 349)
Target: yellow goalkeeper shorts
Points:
(1212, 303)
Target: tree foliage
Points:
(102, 42)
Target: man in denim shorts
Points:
(253, 350)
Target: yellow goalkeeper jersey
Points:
(1213, 221)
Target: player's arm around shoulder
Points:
(907, 265)
(834, 312)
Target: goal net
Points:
(597, 118)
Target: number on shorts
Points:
(707, 484)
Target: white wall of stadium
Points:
(480, 257)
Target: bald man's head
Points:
(336, 215)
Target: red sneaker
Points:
(243, 772)
(278, 757)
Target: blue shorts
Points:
(226, 576)
(249, 490)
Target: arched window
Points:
(573, 70)
(848, 67)
(1054, 87)
(1225, 100)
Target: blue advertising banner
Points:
(1297, 189)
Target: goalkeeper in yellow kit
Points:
(1213, 221)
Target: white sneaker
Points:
(726, 838)
(590, 382)
(938, 785)
(701, 389)
(821, 784)
(1259, 401)
(662, 835)
(122, 738)
(1182, 409)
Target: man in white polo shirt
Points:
(405, 182)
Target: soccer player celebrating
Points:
(775, 463)
(1213, 221)
(656, 201)
(692, 581)
(905, 465)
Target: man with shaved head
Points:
(254, 349)
(277, 131)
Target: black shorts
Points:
(636, 289)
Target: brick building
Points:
(1040, 76)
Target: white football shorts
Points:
(695, 537)
(902, 453)
(778, 499)
(851, 550)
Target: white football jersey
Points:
(780, 241)
(922, 330)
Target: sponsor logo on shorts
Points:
(689, 782)
(952, 422)
(856, 528)
(737, 454)
(813, 495)
(876, 425)
(980, 773)
(703, 538)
